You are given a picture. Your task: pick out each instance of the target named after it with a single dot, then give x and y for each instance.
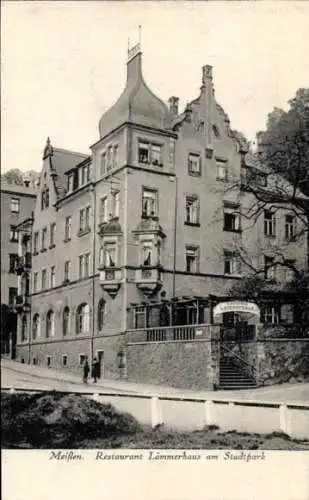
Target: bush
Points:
(59, 420)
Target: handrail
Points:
(197, 325)
(252, 367)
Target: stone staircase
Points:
(232, 376)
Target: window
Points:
(13, 257)
(140, 317)
(149, 203)
(192, 263)
(23, 329)
(82, 358)
(15, 205)
(143, 152)
(101, 309)
(156, 155)
(84, 261)
(82, 319)
(216, 131)
(109, 158)
(50, 324)
(13, 234)
(66, 321)
(64, 359)
(290, 227)
(44, 238)
(84, 219)
(70, 183)
(68, 228)
(36, 326)
(192, 210)
(232, 218)
(83, 175)
(67, 270)
(43, 279)
(269, 223)
(103, 210)
(48, 360)
(52, 276)
(146, 253)
(103, 164)
(52, 234)
(222, 170)
(115, 157)
(12, 295)
(232, 265)
(269, 268)
(194, 164)
(115, 201)
(289, 271)
(35, 282)
(36, 242)
(270, 314)
(110, 254)
(44, 198)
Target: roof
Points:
(17, 189)
(137, 103)
(61, 161)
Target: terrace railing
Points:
(173, 333)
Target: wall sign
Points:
(237, 306)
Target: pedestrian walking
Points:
(86, 371)
(95, 369)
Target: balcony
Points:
(110, 280)
(19, 304)
(23, 263)
(149, 279)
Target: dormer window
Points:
(83, 175)
(70, 183)
(143, 152)
(149, 203)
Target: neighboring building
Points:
(147, 217)
(17, 203)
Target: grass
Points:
(55, 420)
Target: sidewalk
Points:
(70, 381)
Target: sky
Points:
(64, 64)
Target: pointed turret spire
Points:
(48, 150)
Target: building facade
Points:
(153, 213)
(17, 204)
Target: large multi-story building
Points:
(17, 203)
(150, 215)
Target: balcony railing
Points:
(173, 333)
(148, 274)
(110, 274)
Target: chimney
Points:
(173, 105)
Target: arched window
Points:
(101, 308)
(23, 328)
(66, 321)
(50, 324)
(82, 319)
(36, 326)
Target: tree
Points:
(13, 176)
(16, 176)
(277, 178)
